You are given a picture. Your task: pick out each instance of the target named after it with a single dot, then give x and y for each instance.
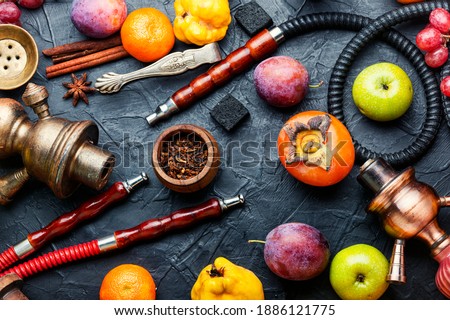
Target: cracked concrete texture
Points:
(249, 166)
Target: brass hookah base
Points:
(61, 153)
(408, 209)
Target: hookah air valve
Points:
(408, 209)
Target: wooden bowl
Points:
(18, 56)
(205, 176)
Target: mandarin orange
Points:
(128, 282)
(147, 34)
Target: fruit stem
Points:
(214, 272)
(317, 85)
(257, 241)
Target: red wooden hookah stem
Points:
(154, 228)
(148, 230)
(256, 49)
(68, 221)
(88, 210)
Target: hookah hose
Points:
(370, 29)
(431, 87)
(147, 230)
(68, 221)
(266, 42)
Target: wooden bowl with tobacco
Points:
(186, 158)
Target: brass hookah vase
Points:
(408, 209)
(61, 153)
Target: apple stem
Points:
(257, 241)
(317, 85)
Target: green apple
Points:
(383, 91)
(359, 272)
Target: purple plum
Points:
(282, 81)
(98, 18)
(296, 251)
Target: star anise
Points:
(79, 88)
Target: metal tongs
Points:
(172, 64)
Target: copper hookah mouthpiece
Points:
(408, 209)
(56, 151)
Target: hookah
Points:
(408, 209)
(148, 230)
(56, 151)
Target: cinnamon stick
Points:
(69, 56)
(78, 46)
(88, 61)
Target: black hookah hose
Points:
(369, 30)
(376, 28)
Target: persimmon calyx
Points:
(308, 142)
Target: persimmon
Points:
(316, 148)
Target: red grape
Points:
(437, 57)
(429, 39)
(440, 19)
(9, 12)
(30, 4)
(445, 86)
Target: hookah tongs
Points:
(68, 221)
(148, 230)
(172, 64)
(408, 209)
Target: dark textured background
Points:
(273, 196)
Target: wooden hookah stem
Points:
(157, 227)
(256, 49)
(147, 230)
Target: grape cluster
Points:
(10, 12)
(433, 39)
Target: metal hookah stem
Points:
(147, 230)
(68, 221)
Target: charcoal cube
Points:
(252, 18)
(229, 112)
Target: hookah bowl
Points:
(61, 153)
(408, 209)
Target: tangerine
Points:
(128, 282)
(147, 34)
